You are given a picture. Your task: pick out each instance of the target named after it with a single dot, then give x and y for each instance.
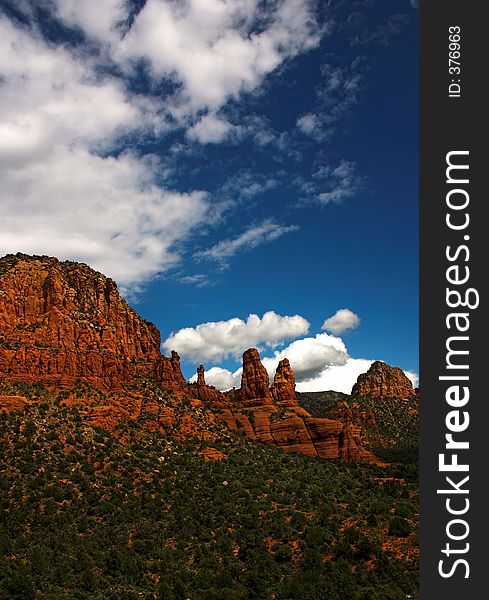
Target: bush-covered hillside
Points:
(389, 426)
(85, 516)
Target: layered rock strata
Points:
(383, 381)
(63, 322)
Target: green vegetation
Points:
(319, 403)
(390, 426)
(85, 516)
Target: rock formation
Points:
(200, 389)
(63, 322)
(283, 388)
(272, 415)
(382, 380)
(255, 385)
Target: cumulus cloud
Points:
(217, 340)
(337, 377)
(50, 99)
(211, 50)
(214, 50)
(210, 129)
(98, 19)
(309, 356)
(61, 192)
(67, 110)
(340, 378)
(255, 236)
(320, 363)
(343, 320)
(222, 379)
(104, 211)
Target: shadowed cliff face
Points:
(383, 381)
(61, 322)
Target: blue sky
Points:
(221, 159)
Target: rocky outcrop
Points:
(273, 416)
(283, 387)
(255, 385)
(63, 321)
(168, 374)
(207, 393)
(383, 381)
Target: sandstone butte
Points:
(383, 381)
(63, 322)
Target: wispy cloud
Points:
(338, 93)
(338, 183)
(199, 280)
(250, 238)
(383, 33)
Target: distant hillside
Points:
(319, 404)
(389, 427)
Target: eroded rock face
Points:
(168, 373)
(255, 385)
(382, 380)
(202, 391)
(283, 387)
(273, 416)
(63, 321)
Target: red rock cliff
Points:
(63, 321)
(60, 321)
(382, 380)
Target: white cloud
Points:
(216, 49)
(308, 123)
(413, 377)
(343, 320)
(103, 211)
(320, 363)
(309, 356)
(59, 193)
(251, 238)
(342, 183)
(210, 129)
(218, 339)
(222, 379)
(64, 188)
(336, 377)
(49, 98)
(98, 18)
(340, 378)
